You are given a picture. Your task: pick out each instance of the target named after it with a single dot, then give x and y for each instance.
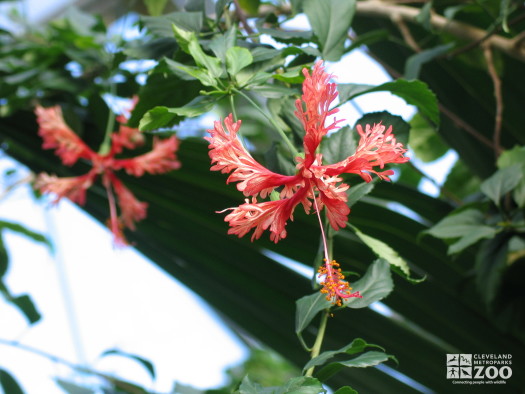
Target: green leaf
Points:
(383, 250)
(425, 141)
(461, 180)
(424, 15)
(338, 145)
(82, 23)
(156, 118)
(346, 390)
(22, 230)
(189, 43)
(273, 90)
(163, 116)
(249, 387)
(301, 385)
(190, 72)
(415, 62)
(155, 7)
(468, 225)
(25, 304)
(348, 91)
(502, 182)
(141, 360)
(368, 359)
(409, 176)
(278, 161)
(375, 285)
(250, 6)
(330, 28)
(307, 308)
(291, 76)
(457, 224)
(298, 385)
(294, 37)
(9, 383)
(220, 6)
(355, 193)
(471, 238)
(159, 91)
(221, 43)
(237, 58)
(73, 388)
(505, 11)
(123, 386)
(252, 80)
(400, 128)
(413, 92)
(162, 25)
(356, 346)
(4, 257)
(509, 158)
(491, 264)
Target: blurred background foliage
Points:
(468, 241)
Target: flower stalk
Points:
(316, 349)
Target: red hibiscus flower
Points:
(313, 184)
(70, 148)
(313, 180)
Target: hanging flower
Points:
(313, 184)
(313, 180)
(69, 147)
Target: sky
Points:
(94, 298)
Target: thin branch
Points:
(471, 45)
(405, 32)
(377, 8)
(517, 41)
(465, 126)
(487, 52)
(242, 17)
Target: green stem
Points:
(283, 135)
(110, 124)
(316, 349)
(232, 104)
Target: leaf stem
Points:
(316, 349)
(232, 104)
(110, 124)
(283, 135)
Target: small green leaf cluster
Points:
(23, 302)
(493, 228)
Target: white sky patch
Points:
(121, 300)
(292, 264)
(298, 22)
(437, 170)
